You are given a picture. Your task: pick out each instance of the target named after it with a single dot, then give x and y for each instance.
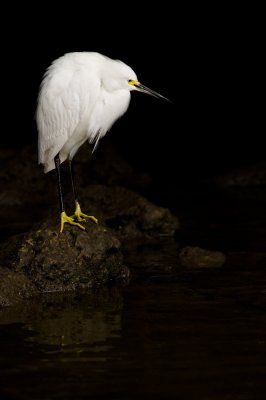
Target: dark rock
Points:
(128, 214)
(73, 260)
(78, 260)
(15, 287)
(196, 257)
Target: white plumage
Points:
(81, 96)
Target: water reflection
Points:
(59, 346)
(160, 340)
(180, 334)
(72, 323)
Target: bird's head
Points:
(136, 85)
(121, 76)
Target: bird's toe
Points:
(65, 219)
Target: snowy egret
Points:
(82, 94)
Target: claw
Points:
(65, 219)
(80, 216)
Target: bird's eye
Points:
(132, 82)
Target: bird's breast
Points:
(108, 108)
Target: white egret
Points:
(82, 94)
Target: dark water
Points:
(173, 333)
(190, 335)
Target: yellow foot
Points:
(65, 219)
(80, 216)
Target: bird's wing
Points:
(64, 98)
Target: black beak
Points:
(145, 89)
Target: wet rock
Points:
(128, 214)
(196, 257)
(15, 287)
(74, 260)
(46, 261)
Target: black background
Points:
(207, 60)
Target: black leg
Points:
(64, 218)
(78, 215)
(57, 166)
(73, 180)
